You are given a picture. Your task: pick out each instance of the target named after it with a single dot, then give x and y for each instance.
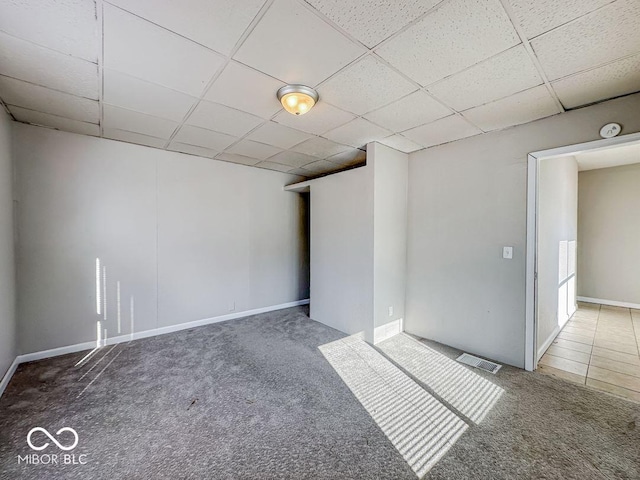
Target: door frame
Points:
(533, 174)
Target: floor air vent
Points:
(485, 365)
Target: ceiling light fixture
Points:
(297, 99)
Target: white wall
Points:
(557, 222)
(342, 251)
(185, 237)
(467, 199)
(609, 234)
(390, 234)
(7, 272)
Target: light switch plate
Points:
(507, 252)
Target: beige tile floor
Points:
(598, 347)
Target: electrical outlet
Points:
(507, 252)
(232, 307)
(391, 311)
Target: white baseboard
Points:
(54, 352)
(7, 376)
(613, 303)
(547, 343)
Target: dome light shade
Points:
(297, 99)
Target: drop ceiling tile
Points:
(61, 123)
(202, 137)
(34, 97)
(132, 137)
(321, 166)
(320, 147)
(357, 133)
(413, 110)
(240, 159)
(520, 108)
(217, 24)
(543, 15)
(278, 135)
(321, 119)
(39, 65)
(70, 27)
(600, 37)
(301, 172)
(274, 166)
(129, 92)
(293, 44)
(364, 86)
(252, 149)
(400, 143)
(503, 75)
(444, 130)
(612, 80)
(456, 36)
(146, 51)
(372, 22)
(131, 121)
(192, 150)
(294, 159)
(246, 89)
(220, 118)
(349, 158)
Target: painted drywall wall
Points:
(609, 233)
(7, 263)
(179, 238)
(342, 251)
(390, 234)
(467, 199)
(557, 222)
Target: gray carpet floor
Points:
(255, 398)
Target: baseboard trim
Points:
(547, 343)
(55, 352)
(7, 376)
(613, 303)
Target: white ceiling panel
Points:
(357, 133)
(246, 89)
(131, 121)
(349, 158)
(68, 26)
(364, 86)
(320, 147)
(300, 172)
(132, 137)
(442, 131)
(217, 24)
(220, 118)
(456, 36)
(321, 119)
(192, 150)
(144, 50)
(39, 65)
(503, 75)
(536, 17)
(278, 167)
(372, 21)
(321, 166)
(240, 159)
(278, 135)
(293, 44)
(520, 108)
(401, 143)
(34, 97)
(202, 137)
(600, 37)
(612, 80)
(294, 159)
(129, 92)
(61, 123)
(413, 110)
(248, 148)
